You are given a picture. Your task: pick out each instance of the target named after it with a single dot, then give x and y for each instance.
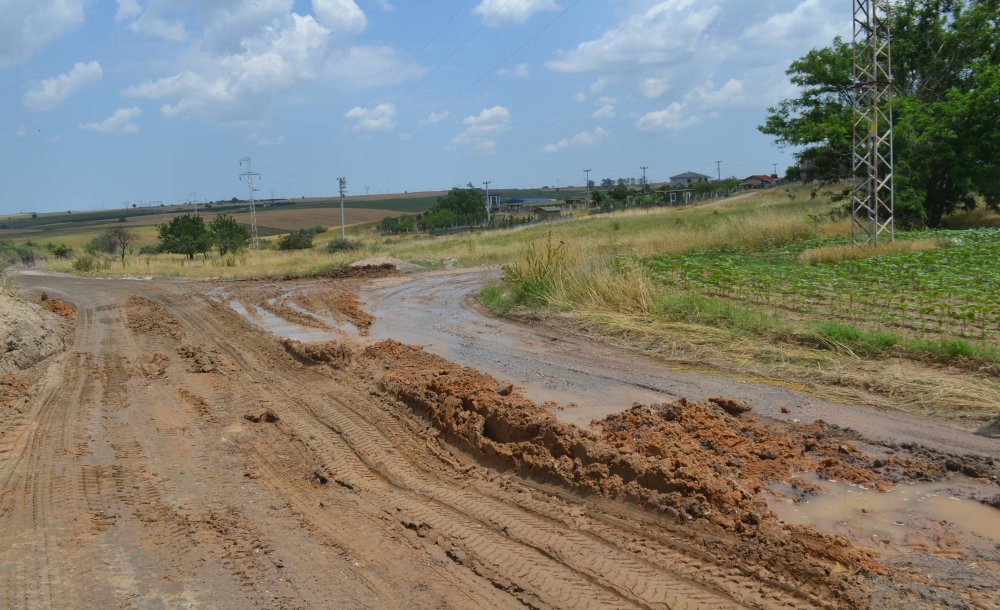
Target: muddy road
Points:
(178, 454)
(589, 380)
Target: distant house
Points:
(547, 211)
(759, 182)
(524, 204)
(689, 178)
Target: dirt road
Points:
(439, 311)
(178, 456)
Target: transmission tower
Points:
(249, 175)
(872, 197)
(342, 185)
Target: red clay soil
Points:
(696, 463)
(58, 307)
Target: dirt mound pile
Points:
(629, 456)
(28, 334)
(400, 265)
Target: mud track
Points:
(177, 455)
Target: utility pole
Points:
(342, 182)
(775, 165)
(587, 171)
(249, 174)
(873, 193)
(718, 170)
(644, 168)
(487, 183)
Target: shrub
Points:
(296, 240)
(85, 264)
(342, 245)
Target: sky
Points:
(112, 103)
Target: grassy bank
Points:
(771, 292)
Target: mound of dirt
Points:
(693, 462)
(28, 333)
(377, 261)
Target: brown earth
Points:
(175, 455)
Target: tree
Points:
(947, 108)
(459, 206)
(607, 183)
(121, 239)
(185, 235)
(227, 235)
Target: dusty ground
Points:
(178, 454)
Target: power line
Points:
(303, 150)
(475, 83)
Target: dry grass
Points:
(249, 263)
(980, 217)
(967, 400)
(839, 254)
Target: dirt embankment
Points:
(29, 333)
(705, 465)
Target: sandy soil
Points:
(179, 454)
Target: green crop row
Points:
(950, 290)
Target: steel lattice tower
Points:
(872, 197)
(249, 175)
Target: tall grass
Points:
(841, 253)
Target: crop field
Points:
(953, 289)
(292, 219)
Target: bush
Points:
(60, 250)
(86, 264)
(296, 240)
(342, 245)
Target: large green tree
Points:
(458, 207)
(185, 235)
(946, 87)
(228, 235)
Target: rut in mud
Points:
(175, 454)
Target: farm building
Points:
(522, 205)
(547, 212)
(689, 178)
(759, 182)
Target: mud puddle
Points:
(910, 517)
(279, 326)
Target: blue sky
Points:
(113, 101)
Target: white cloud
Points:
(726, 95)
(386, 6)
(379, 118)
(127, 9)
(607, 111)
(254, 52)
(496, 12)
(810, 24)
(654, 87)
(518, 71)
(481, 130)
(21, 131)
(671, 118)
(230, 26)
(150, 23)
(579, 96)
(28, 26)
(52, 93)
(432, 119)
(265, 142)
(119, 122)
(584, 138)
(344, 17)
(666, 34)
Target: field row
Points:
(949, 290)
